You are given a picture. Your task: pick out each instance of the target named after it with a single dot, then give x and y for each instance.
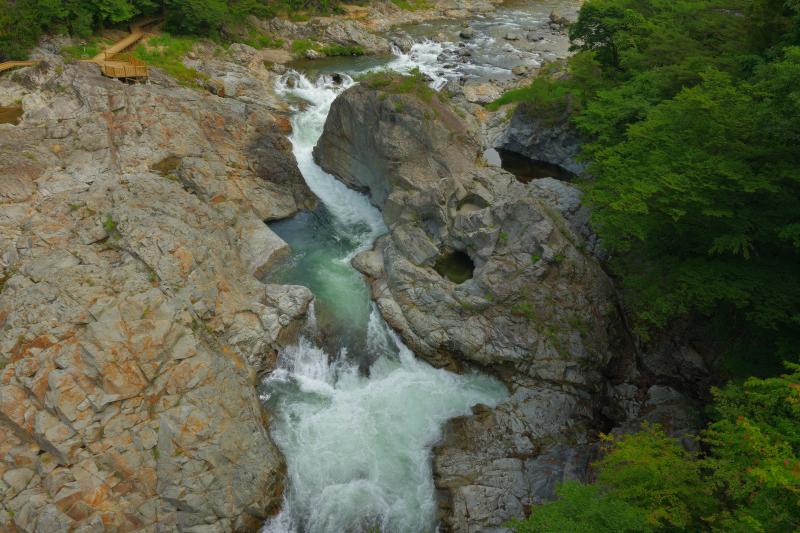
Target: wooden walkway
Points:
(114, 65)
(111, 63)
(8, 65)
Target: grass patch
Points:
(412, 5)
(523, 309)
(301, 46)
(261, 40)
(543, 93)
(166, 51)
(110, 226)
(85, 50)
(393, 83)
(342, 50)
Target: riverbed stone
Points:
(526, 257)
(556, 142)
(132, 326)
(481, 93)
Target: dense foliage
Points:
(691, 110)
(22, 22)
(748, 481)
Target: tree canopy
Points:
(690, 111)
(748, 481)
(691, 115)
(23, 21)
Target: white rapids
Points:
(357, 447)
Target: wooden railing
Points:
(127, 66)
(114, 65)
(8, 65)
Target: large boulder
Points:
(537, 310)
(353, 33)
(132, 328)
(553, 140)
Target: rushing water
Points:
(356, 415)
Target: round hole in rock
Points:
(524, 168)
(10, 115)
(472, 202)
(455, 266)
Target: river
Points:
(354, 412)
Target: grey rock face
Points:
(132, 327)
(538, 312)
(566, 199)
(544, 140)
(353, 33)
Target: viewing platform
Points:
(8, 65)
(115, 65)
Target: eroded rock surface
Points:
(538, 312)
(551, 140)
(131, 324)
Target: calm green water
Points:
(354, 412)
(320, 261)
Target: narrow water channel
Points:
(355, 413)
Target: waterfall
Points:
(357, 444)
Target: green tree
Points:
(196, 16)
(754, 459)
(748, 481)
(701, 199)
(692, 127)
(584, 509)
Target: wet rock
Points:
(511, 36)
(313, 54)
(278, 68)
(493, 465)
(260, 248)
(481, 93)
(558, 20)
(533, 37)
(467, 33)
(403, 43)
(554, 142)
(131, 326)
(353, 33)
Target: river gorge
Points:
(318, 295)
(356, 417)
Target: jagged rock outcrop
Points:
(329, 31)
(131, 324)
(551, 140)
(538, 311)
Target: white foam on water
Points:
(423, 56)
(357, 447)
(351, 210)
